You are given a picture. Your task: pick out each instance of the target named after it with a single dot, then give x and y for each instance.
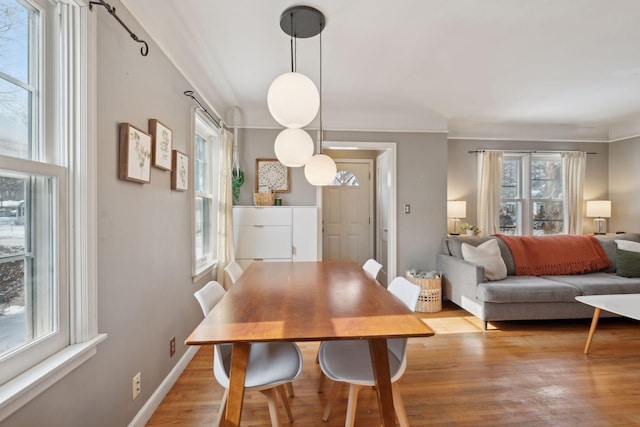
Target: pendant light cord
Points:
(321, 136)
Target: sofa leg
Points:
(486, 325)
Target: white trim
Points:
(22, 389)
(150, 406)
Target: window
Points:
(206, 169)
(47, 246)
(531, 200)
(346, 178)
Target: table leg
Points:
(239, 361)
(380, 362)
(592, 330)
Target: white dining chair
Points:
(234, 271)
(372, 267)
(271, 365)
(350, 361)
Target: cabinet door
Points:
(256, 241)
(257, 215)
(305, 233)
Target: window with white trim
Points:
(531, 201)
(47, 286)
(205, 172)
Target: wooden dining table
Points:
(307, 301)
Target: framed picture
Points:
(135, 154)
(179, 171)
(162, 141)
(272, 174)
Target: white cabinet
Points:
(275, 233)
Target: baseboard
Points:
(150, 406)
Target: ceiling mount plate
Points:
(302, 22)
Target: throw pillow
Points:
(627, 263)
(487, 255)
(628, 245)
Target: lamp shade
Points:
(293, 147)
(456, 209)
(599, 208)
(320, 170)
(293, 100)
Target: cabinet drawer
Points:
(262, 241)
(256, 215)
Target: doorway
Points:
(384, 203)
(347, 212)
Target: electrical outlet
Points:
(137, 385)
(172, 346)
(407, 208)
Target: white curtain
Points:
(225, 207)
(574, 165)
(489, 186)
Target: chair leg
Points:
(321, 382)
(399, 406)
(285, 402)
(223, 404)
(332, 398)
(354, 389)
(272, 401)
(289, 387)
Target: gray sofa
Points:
(527, 297)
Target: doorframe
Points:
(392, 250)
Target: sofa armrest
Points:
(460, 277)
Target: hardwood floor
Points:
(514, 374)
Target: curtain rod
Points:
(529, 151)
(216, 120)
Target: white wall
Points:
(624, 185)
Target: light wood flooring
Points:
(515, 374)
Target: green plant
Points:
(237, 179)
(464, 227)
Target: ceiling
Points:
(512, 69)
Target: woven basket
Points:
(264, 199)
(430, 299)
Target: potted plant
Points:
(237, 179)
(469, 230)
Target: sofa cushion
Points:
(454, 244)
(608, 243)
(600, 283)
(526, 289)
(488, 256)
(627, 245)
(627, 263)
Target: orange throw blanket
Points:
(556, 254)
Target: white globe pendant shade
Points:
(320, 170)
(293, 100)
(293, 147)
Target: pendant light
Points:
(320, 169)
(293, 98)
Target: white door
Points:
(347, 211)
(383, 190)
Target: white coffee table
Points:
(627, 305)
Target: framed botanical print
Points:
(162, 138)
(135, 154)
(272, 174)
(179, 171)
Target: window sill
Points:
(22, 389)
(205, 270)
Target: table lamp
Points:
(456, 209)
(599, 210)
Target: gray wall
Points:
(421, 182)
(145, 291)
(462, 169)
(624, 185)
